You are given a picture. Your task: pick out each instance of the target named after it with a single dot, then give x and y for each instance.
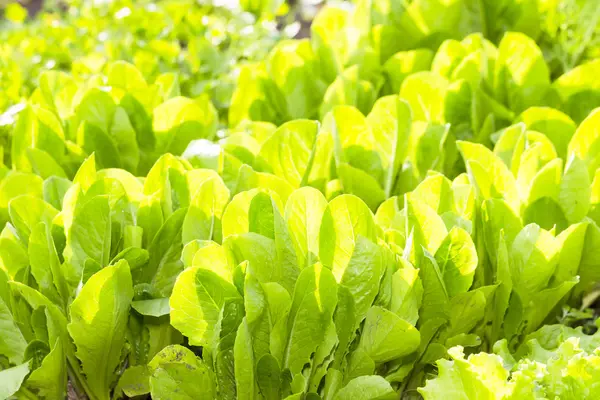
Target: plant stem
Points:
(79, 383)
(27, 394)
(484, 28)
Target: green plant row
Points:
(359, 218)
(198, 46)
(277, 290)
(468, 89)
(355, 55)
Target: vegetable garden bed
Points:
(198, 201)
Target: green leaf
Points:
(546, 182)
(425, 92)
(26, 211)
(345, 325)
(390, 122)
(467, 309)
(249, 179)
(236, 217)
(520, 71)
(86, 174)
(209, 256)
(12, 252)
(293, 68)
(478, 375)
(90, 234)
(93, 139)
(314, 300)
(536, 154)
(223, 359)
(589, 266)
(570, 242)
(361, 184)
(585, 144)
(426, 150)
(133, 186)
(54, 190)
(46, 266)
(50, 379)
(435, 297)
(135, 381)
(57, 89)
(363, 274)
(44, 165)
(36, 128)
(99, 317)
(405, 63)
(578, 87)
(256, 97)
(386, 337)
(450, 53)
(457, 259)
(12, 379)
(497, 215)
(37, 300)
(348, 89)
(12, 342)
(167, 172)
(135, 256)
(96, 108)
(197, 300)
(344, 219)
(261, 215)
(575, 191)
(534, 257)
(489, 174)
(178, 374)
(542, 303)
(558, 127)
(323, 358)
(366, 388)
(353, 141)
(17, 183)
(153, 308)
(289, 152)
(123, 75)
(245, 373)
(268, 246)
(203, 219)
(510, 145)
(268, 377)
(407, 291)
(436, 192)
(427, 229)
(505, 285)
(124, 136)
(165, 263)
(303, 214)
(180, 120)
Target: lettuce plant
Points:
(356, 217)
(128, 123)
(556, 362)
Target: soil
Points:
(33, 6)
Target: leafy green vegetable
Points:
(564, 366)
(100, 350)
(194, 205)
